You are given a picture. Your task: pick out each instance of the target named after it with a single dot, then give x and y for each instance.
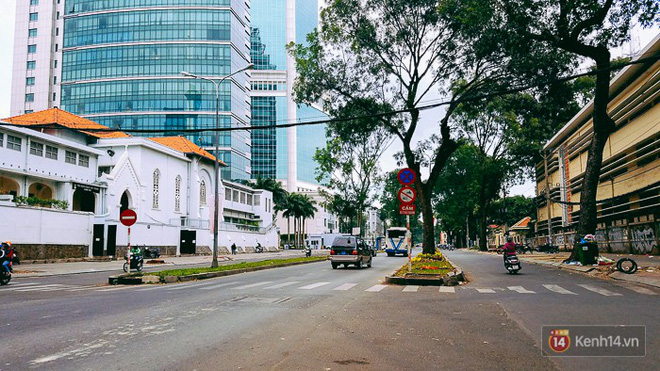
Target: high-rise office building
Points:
(119, 62)
(284, 154)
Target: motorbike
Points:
(151, 253)
(512, 264)
(5, 276)
(259, 248)
(137, 262)
(308, 252)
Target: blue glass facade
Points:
(122, 60)
(269, 53)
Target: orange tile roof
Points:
(522, 223)
(182, 144)
(63, 118)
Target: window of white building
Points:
(202, 193)
(14, 142)
(83, 160)
(177, 194)
(155, 190)
(36, 149)
(70, 157)
(51, 152)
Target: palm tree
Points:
(279, 193)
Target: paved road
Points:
(313, 317)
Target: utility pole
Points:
(467, 231)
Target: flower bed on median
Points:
(242, 265)
(426, 265)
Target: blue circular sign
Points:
(406, 176)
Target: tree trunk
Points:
(424, 196)
(483, 240)
(288, 231)
(603, 127)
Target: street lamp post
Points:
(216, 166)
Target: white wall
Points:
(24, 225)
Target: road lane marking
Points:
(485, 291)
(411, 288)
(559, 290)
(448, 290)
(641, 290)
(252, 285)
(22, 284)
(49, 287)
(191, 285)
(344, 287)
(313, 286)
(84, 288)
(280, 285)
(375, 288)
(110, 288)
(218, 285)
(601, 291)
(521, 290)
(153, 287)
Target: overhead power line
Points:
(465, 99)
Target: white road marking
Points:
(218, 285)
(11, 284)
(344, 287)
(641, 290)
(252, 285)
(601, 291)
(313, 286)
(110, 288)
(280, 285)
(447, 289)
(559, 290)
(192, 285)
(376, 288)
(410, 289)
(485, 291)
(50, 287)
(521, 290)
(85, 288)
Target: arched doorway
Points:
(40, 190)
(8, 186)
(83, 200)
(125, 202)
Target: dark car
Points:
(348, 250)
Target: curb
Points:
(147, 279)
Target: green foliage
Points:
(35, 201)
(510, 210)
(274, 186)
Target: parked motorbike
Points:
(512, 264)
(308, 252)
(137, 262)
(151, 253)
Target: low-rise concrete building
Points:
(96, 173)
(629, 190)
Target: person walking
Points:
(233, 249)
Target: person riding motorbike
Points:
(7, 253)
(135, 251)
(509, 248)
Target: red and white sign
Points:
(407, 195)
(128, 217)
(407, 209)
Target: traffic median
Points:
(191, 274)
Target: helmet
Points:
(589, 238)
(7, 243)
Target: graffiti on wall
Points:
(601, 239)
(617, 236)
(642, 239)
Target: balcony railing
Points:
(191, 223)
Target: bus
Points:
(397, 241)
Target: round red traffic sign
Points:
(407, 195)
(406, 176)
(128, 217)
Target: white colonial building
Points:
(168, 181)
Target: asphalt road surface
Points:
(311, 317)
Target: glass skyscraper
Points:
(121, 64)
(285, 154)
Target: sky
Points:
(429, 119)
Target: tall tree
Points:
(393, 53)
(588, 29)
(349, 161)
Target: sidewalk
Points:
(648, 272)
(54, 269)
